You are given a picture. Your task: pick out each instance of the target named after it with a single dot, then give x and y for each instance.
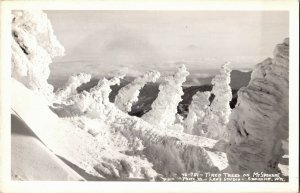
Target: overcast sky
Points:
(140, 40)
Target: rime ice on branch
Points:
(164, 108)
(129, 93)
(219, 113)
(94, 104)
(259, 122)
(33, 47)
(70, 87)
(198, 109)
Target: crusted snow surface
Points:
(170, 152)
(129, 93)
(259, 122)
(164, 108)
(33, 47)
(31, 160)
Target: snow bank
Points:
(129, 93)
(170, 152)
(33, 47)
(259, 122)
(31, 160)
(164, 108)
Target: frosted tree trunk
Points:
(218, 116)
(129, 93)
(164, 108)
(197, 111)
(259, 122)
(33, 47)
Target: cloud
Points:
(192, 47)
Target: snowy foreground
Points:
(87, 137)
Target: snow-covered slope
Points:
(31, 160)
(259, 122)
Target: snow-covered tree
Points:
(198, 109)
(260, 121)
(33, 47)
(164, 108)
(129, 93)
(71, 85)
(219, 113)
(94, 104)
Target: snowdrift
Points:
(31, 160)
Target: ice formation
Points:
(94, 104)
(259, 122)
(198, 109)
(164, 108)
(33, 47)
(129, 93)
(71, 85)
(218, 115)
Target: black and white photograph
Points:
(151, 95)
